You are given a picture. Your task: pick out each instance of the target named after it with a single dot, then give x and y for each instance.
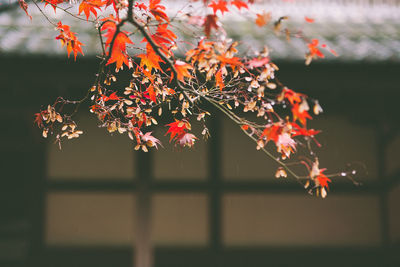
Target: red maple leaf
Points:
(239, 4)
(114, 4)
(177, 128)
(53, 3)
(89, 6)
(69, 39)
(158, 10)
(210, 22)
(272, 132)
(118, 53)
(292, 96)
(309, 20)
(220, 5)
(323, 180)
(298, 130)
(258, 62)
(219, 80)
(39, 119)
(152, 94)
(314, 50)
(263, 19)
(112, 96)
(150, 60)
(182, 70)
(233, 61)
(299, 114)
(24, 6)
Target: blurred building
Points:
(99, 203)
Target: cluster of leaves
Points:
(213, 71)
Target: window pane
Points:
(240, 158)
(179, 219)
(342, 142)
(394, 214)
(296, 220)
(94, 155)
(176, 163)
(392, 157)
(90, 219)
(345, 142)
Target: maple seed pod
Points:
(323, 192)
(280, 172)
(317, 108)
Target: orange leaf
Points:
(89, 6)
(118, 53)
(263, 19)
(309, 20)
(220, 5)
(182, 70)
(152, 94)
(301, 115)
(239, 4)
(210, 22)
(219, 80)
(150, 60)
(24, 6)
(69, 39)
(177, 128)
(158, 10)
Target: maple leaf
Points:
(239, 4)
(258, 62)
(309, 20)
(39, 119)
(291, 95)
(162, 30)
(182, 70)
(141, 6)
(285, 145)
(314, 50)
(118, 53)
(323, 180)
(272, 132)
(150, 140)
(112, 96)
(158, 10)
(114, 4)
(53, 3)
(233, 61)
(152, 94)
(299, 114)
(210, 22)
(177, 128)
(150, 60)
(303, 131)
(186, 139)
(220, 5)
(24, 6)
(69, 39)
(89, 6)
(263, 19)
(219, 80)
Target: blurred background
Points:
(97, 202)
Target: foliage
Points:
(213, 72)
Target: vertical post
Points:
(143, 256)
(215, 184)
(37, 198)
(383, 194)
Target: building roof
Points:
(357, 30)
